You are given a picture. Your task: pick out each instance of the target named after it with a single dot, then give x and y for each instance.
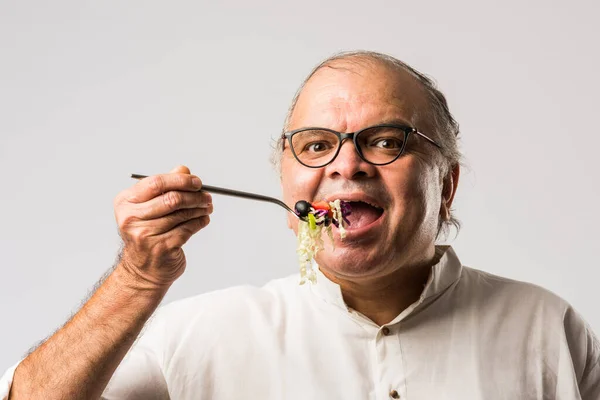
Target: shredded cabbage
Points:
(310, 240)
(336, 207)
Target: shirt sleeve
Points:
(584, 347)
(138, 377)
(589, 386)
(6, 381)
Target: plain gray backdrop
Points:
(91, 92)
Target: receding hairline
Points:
(359, 60)
(353, 62)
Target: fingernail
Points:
(196, 182)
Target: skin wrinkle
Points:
(384, 271)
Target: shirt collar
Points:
(445, 272)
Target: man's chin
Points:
(346, 263)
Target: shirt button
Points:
(394, 394)
(386, 331)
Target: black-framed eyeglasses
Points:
(378, 145)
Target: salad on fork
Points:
(314, 218)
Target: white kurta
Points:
(471, 335)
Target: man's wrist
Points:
(134, 283)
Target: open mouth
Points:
(363, 214)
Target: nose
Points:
(349, 165)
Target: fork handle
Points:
(236, 193)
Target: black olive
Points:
(302, 208)
(327, 220)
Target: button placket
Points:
(390, 363)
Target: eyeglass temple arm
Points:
(427, 138)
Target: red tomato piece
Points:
(320, 205)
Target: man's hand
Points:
(156, 217)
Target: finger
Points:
(180, 169)
(168, 222)
(154, 186)
(170, 202)
(183, 232)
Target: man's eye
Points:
(387, 143)
(317, 147)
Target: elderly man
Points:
(391, 314)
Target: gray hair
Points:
(446, 128)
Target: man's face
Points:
(408, 192)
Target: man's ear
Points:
(450, 183)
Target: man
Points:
(391, 315)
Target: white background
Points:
(93, 91)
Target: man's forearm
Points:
(79, 359)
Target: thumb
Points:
(180, 169)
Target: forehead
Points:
(350, 95)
